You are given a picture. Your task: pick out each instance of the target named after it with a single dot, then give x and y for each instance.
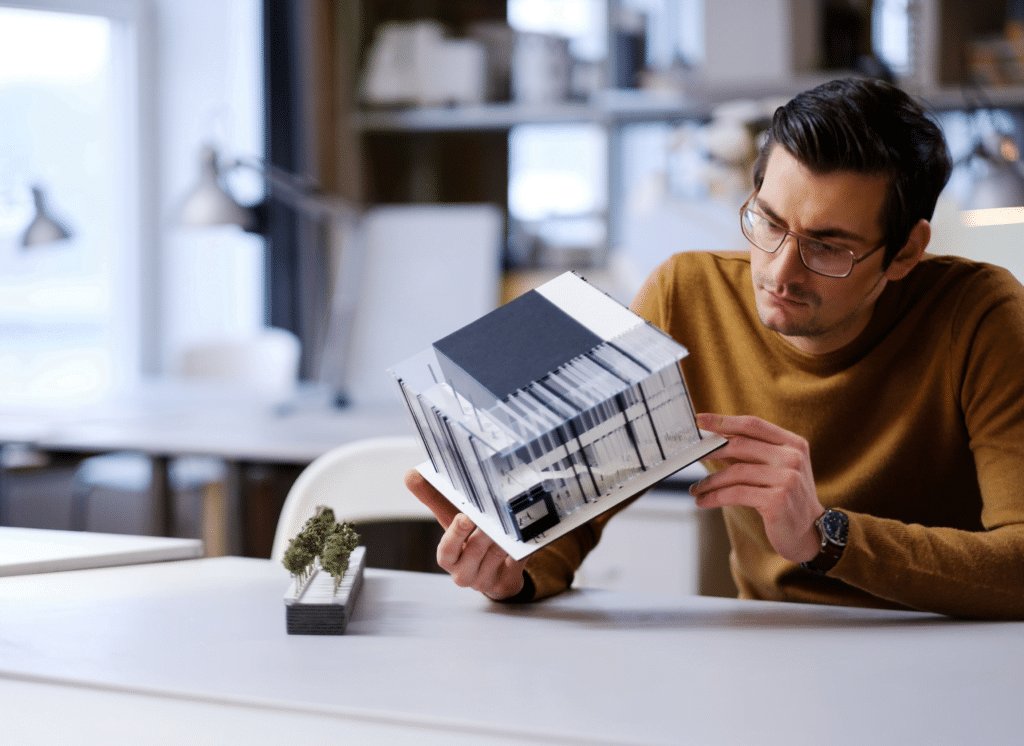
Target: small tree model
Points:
(323, 538)
(337, 549)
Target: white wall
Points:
(208, 79)
(746, 42)
(995, 244)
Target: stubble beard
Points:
(810, 327)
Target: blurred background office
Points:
(596, 135)
(600, 129)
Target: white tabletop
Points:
(168, 418)
(176, 418)
(24, 551)
(426, 662)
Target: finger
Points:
(754, 487)
(427, 494)
(510, 579)
(516, 566)
(487, 569)
(475, 551)
(477, 565)
(750, 495)
(719, 498)
(747, 425)
(493, 563)
(452, 544)
(742, 449)
(752, 475)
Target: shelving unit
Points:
(409, 154)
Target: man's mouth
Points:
(786, 300)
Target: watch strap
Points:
(831, 548)
(825, 560)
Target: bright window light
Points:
(58, 315)
(565, 17)
(41, 47)
(891, 33)
(583, 22)
(556, 170)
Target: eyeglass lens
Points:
(817, 256)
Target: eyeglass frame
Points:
(855, 260)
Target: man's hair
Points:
(869, 127)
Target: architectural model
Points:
(327, 566)
(550, 410)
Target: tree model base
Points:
(320, 606)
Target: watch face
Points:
(836, 526)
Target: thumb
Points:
(427, 494)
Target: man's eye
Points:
(822, 249)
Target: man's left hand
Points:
(768, 469)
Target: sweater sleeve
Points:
(552, 568)
(964, 573)
(968, 574)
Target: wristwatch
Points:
(833, 527)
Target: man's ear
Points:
(912, 251)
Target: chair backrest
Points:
(360, 481)
(266, 363)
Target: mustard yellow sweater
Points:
(916, 430)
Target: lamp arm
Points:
(304, 195)
(298, 192)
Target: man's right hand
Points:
(467, 553)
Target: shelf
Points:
(968, 97)
(507, 115)
(609, 108)
(476, 117)
(624, 107)
(459, 153)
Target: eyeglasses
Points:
(819, 257)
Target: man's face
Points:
(818, 314)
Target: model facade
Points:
(549, 410)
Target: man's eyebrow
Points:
(840, 233)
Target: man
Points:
(872, 395)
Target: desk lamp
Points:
(44, 228)
(210, 203)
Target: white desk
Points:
(196, 652)
(24, 551)
(168, 419)
(182, 419)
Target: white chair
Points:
(265, 365)
(360, 481)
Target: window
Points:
(890, 33)
(557, 193)
(558, 173)
(64, 88)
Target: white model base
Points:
(623, 491)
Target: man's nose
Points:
(786, 266)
